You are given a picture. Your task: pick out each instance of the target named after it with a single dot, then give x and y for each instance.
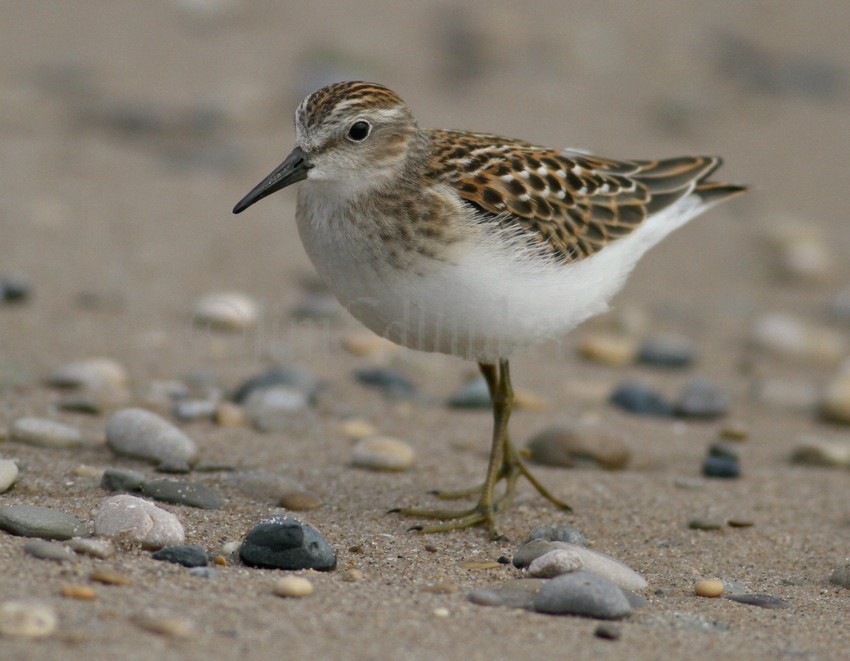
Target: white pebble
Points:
(135, 519)
(817, 451)
(45, 433)
(382, 453)
(8, 474)
(144, 435)
(96, 548)
(27, 619)
(604, 565)
(92, 373)
(555, 563)
(789, 336)
(293, 586)
(227, 311)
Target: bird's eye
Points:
(359, 131)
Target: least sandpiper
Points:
(472, 244)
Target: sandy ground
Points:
(129, 130)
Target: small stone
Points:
(382, 453)
(228, 414)
(84, 470)
(14, 288)
(109, 577)
(704, 524)
(790, 337)
(299, 501)
(137, 520)
(96, 548)
(220, 560)
(226, 311)
(122, 480)
(77, 591)
(204, 572)
(724, 450)
(357, 428)
(558, 533)
(835, 405)
(555, 563)
(352, 575)
(701, 399)
(293, 586)
(608, 631)
(473, 394)
(592, 561)
(45, 433)
(442, 612)
(8, 474)
(43, 522)
(188, 555)
(182, 492)
(641, 400)
(295, 377)
(722, 467)
(760, 600)
(365, 343)
(263, 485)
(582, 593)
(579, 445)
(531, 550)
(144, 435)
(45, 550)
(841, 576)
(176, 627)
(93, 374)
(708, 588)
(276, 409)
(479, 565)
(392, 382)
(190, 410)
(442, 588)
(282, 542)
(672, 351)
(512, 594)
(818, 451)
(740, 523)
(27, 619)
(608, 349)
(735, 430)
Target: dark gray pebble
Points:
(294, 377)
(722, 467)
(43, 522)
(122, 480)
(760, 600)
(282, 542)
(701, 399)
(44, 550)
(182, 492)
(608, 631)
(530, 551)
(582, 593)
(473, 394)
(392, 382)
(188, 555)
(558, 533)
(725, 450)
(14, 288)
(639, 399)
(667, 351)
(841, 576)
(174, 467)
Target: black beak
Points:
(291, 171)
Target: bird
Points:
(472, 244)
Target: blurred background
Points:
(130, 129)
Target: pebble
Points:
(190, 410)
(96, 548)
(263, 485)
(788, 336)
(705, 524)
(204, 572)
(592, 561)
(109, 577)
(701, 399)
(558, 533)
(282, 542)
(841, 576)
(382, 453)
(8, 474)
(357, 428)
(27, 619)
(835, 405)
(77, 591)
(176, 627)
(92, 374)
(390, 381)
(122, 479)
(318, 306)
(295, 377)
(512, 594)
(760, 600)
(43, 522)
(276, 409)
(579, 445)
(474, 394)
(45, 550)
(299, 501)
(817, 451)
(228, 414)
(293, 586)
(14, 288)
(355, 575)
(226, 311)
(639, 399)
(45, 433)
(722, 467)
(790, 394)
(582, 593)
(137, 520)
(608, 631)
(144, 435)
(709, 587)
(182, 492)
(608, 349)
(188, 555)
(723, 450)
(555, 563)
(667, 350)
